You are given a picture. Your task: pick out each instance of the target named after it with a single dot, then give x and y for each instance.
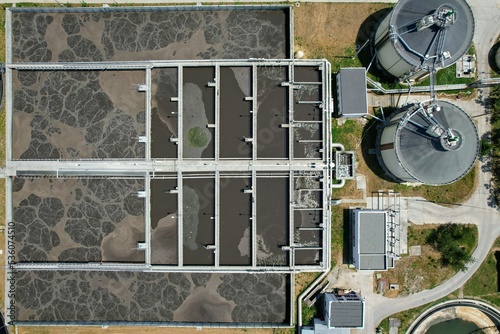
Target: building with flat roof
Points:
(373, 239)
(352, 99)
(342, 311)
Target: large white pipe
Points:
(339, 146)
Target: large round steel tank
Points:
(497, 58)
(434, 144)
(418, 35)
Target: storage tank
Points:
(434, 144)
(418, 35)
(497, 59)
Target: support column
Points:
(9, 262)
(254, 112)
(291, 222)
(290, 110)
(327, 216)
(180, 220)
(180, 106)
(8, 84)
(147, 216)
(327, 104)
(217, 218)
(254, 220)
(148, 113)
(217, 113)
(8, 114)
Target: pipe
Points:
(339, 185)
(341, 148)
(306, 291)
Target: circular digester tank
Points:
(434, 144)
(419, 35)
(497, 58)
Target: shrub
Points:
(455, 243)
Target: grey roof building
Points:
(374, 239)
(343, 311)
(351, 92)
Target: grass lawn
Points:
(447, 76)
(484, 284)
(2, 32)
(340, 234)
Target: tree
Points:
(495, 141)
(453, 242)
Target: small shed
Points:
(344, 310)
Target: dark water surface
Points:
(454, 326)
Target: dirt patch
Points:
(205, 305)
(320, 28)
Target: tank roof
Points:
(436, 144)
(432, 33)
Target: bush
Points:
(308, 314)
(455, 243)
(486, 147)
(495, 142)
